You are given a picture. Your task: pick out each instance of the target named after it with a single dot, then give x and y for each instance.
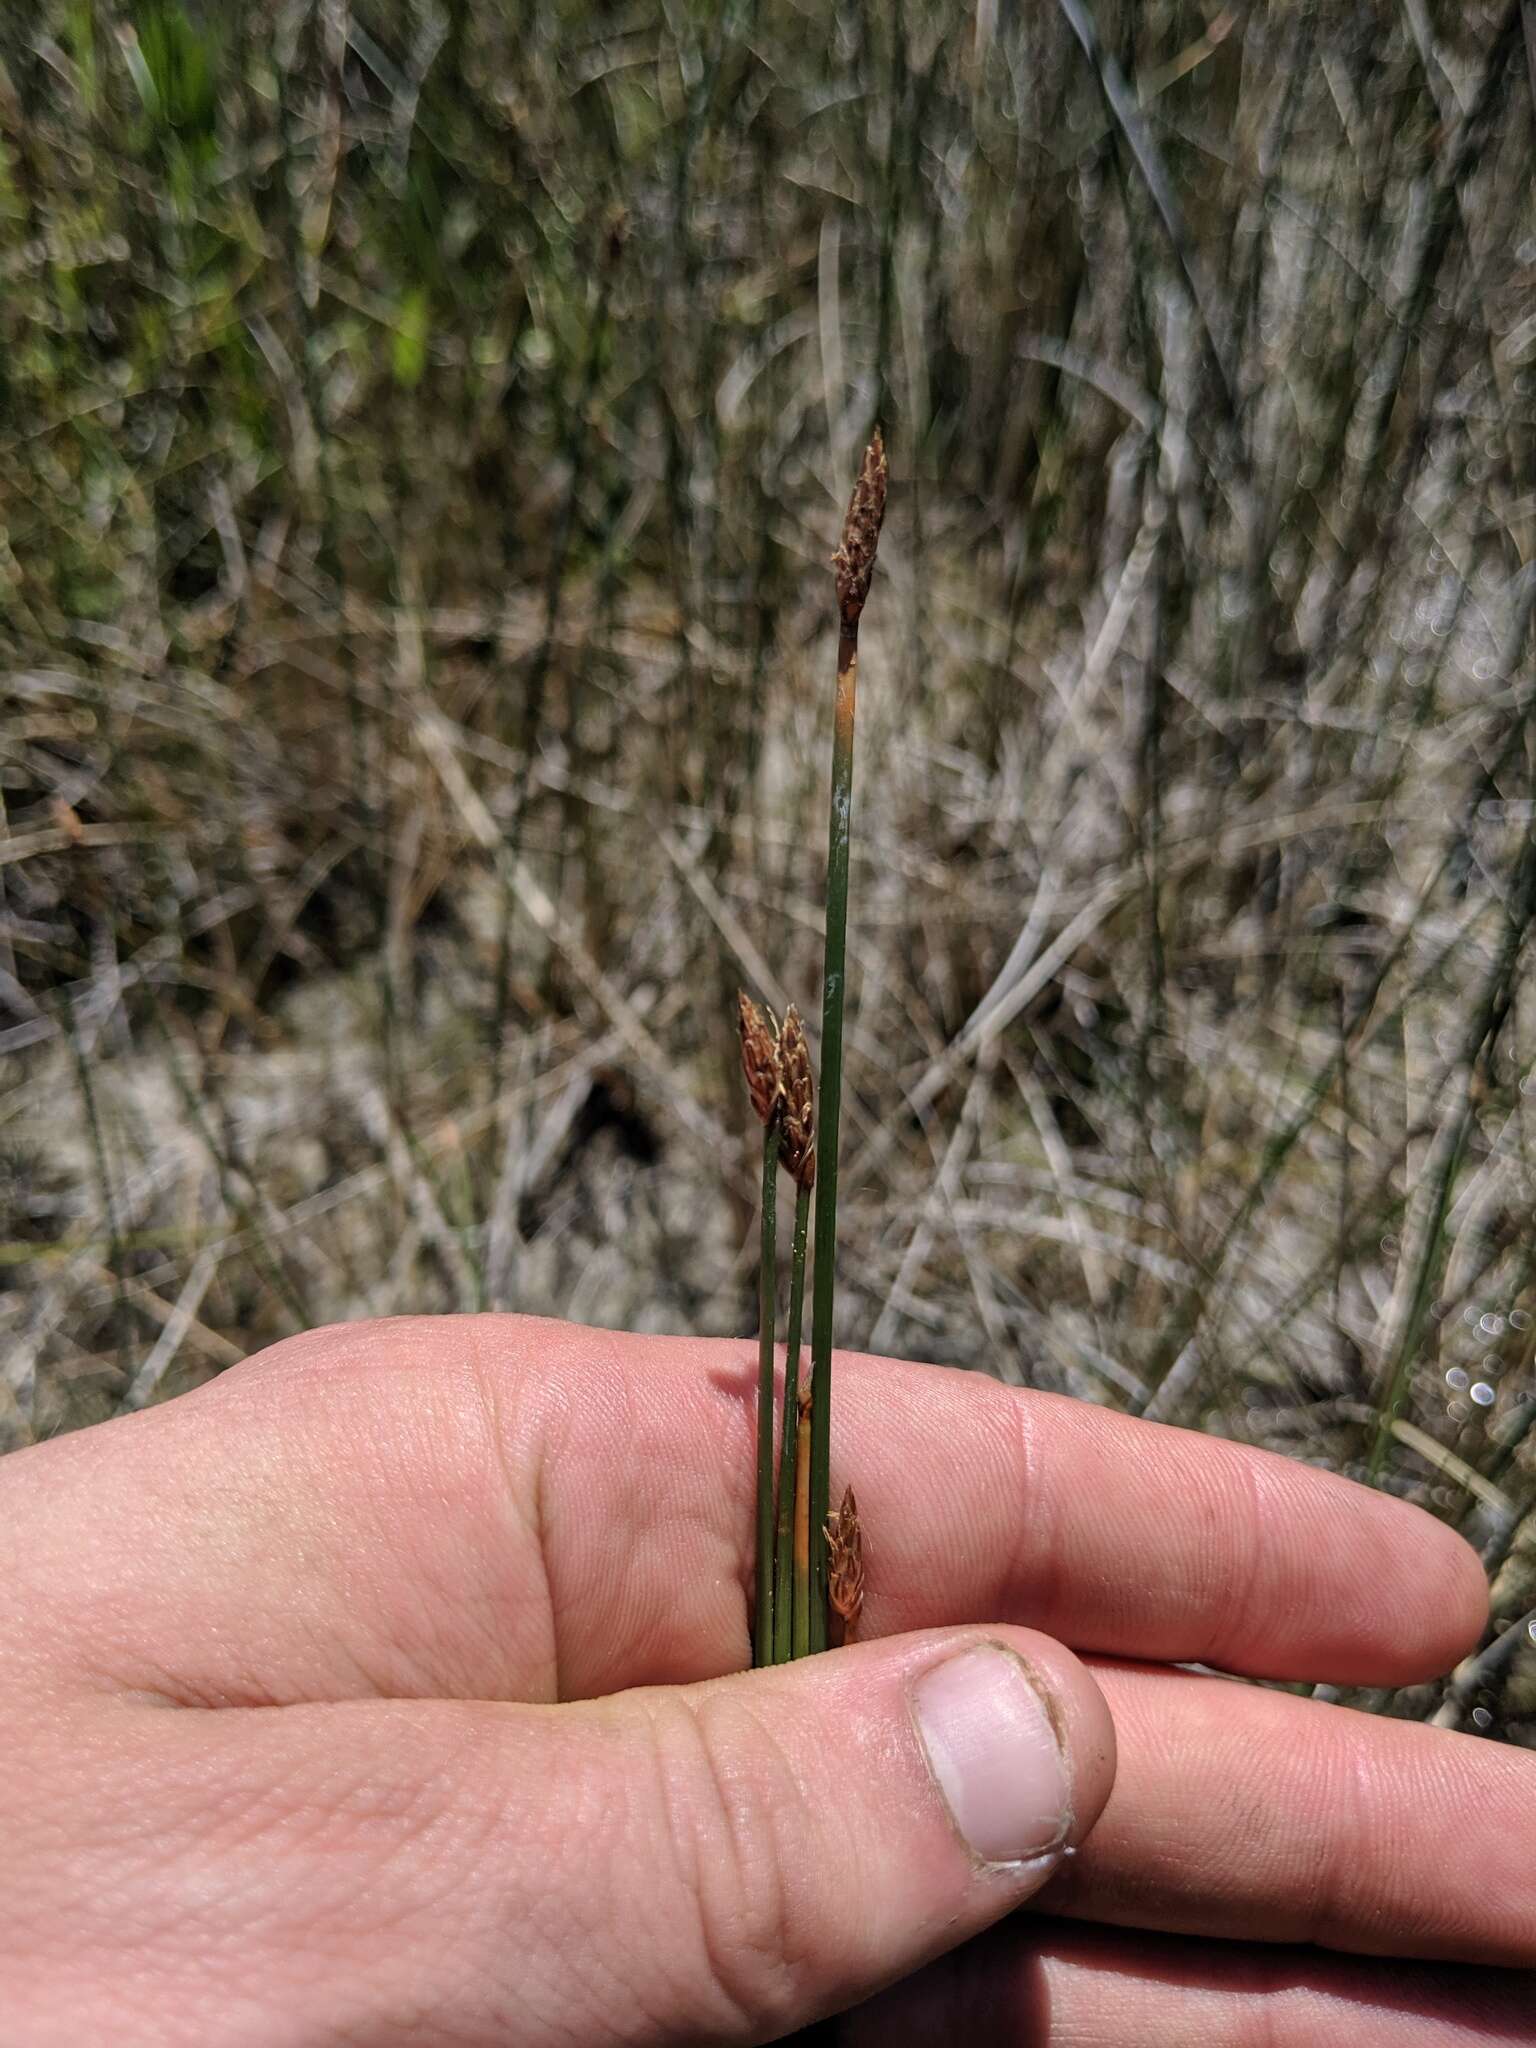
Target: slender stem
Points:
(831, 1102)
(766, 1276)
(801, 1636)
(784, 1548)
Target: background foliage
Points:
(422, 432)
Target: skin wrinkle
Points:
(579, 1922)
(1346, 1791)
(1250, 1823)
(1009, 1546)
(468, 1444)
(1338, 1865)
(1267, 2014)
(747, 1920)
(674, 1988)
(1437, 1795)
(677, 1986)
(1040, 1561)
(525, 1526)
(556, 1408)
(619, 1977)
(646, 1521)
(1296, 1564)
(739, 1421)
(1279, 2002)
(585, 1570)
(465, 1801)
(1243, 1576)
(428, 1936)
(1260, 2022)
(1037, 1547)
(731, 1424)
(460, 1807)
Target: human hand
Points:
(281, 1765)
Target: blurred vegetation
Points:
(422, 432)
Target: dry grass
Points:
(414, 698)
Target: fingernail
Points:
(995, 1755)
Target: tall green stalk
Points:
(784, 1540)
(762, 1638)
(765, 1086)
(853, 565)
(800, 1644)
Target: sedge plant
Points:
(809, 1561)
(853, 565)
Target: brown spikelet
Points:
(854, 562)
(799, 1137)
(760, 1057)
(845, 1564)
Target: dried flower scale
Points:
(799, 1136)
(760, 1057)
(845, 1564)
(854, 561)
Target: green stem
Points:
(831, 1102)
(784, 1550)
(801, 1637)
(767, 1260)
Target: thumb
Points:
(722, 1862)
(744, 1856)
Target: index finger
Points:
(501, 1507)
(1137, 1539)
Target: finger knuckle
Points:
(741, 1839)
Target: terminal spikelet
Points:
(799, 1136)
